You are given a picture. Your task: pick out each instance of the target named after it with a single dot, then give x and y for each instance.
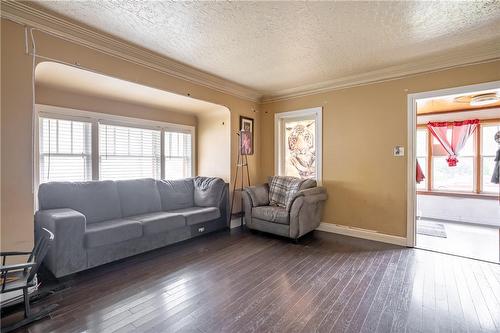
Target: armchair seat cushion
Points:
(158, 222)
(195, 215)
(110, 232)
(274, 214)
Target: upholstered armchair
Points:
(298, 213)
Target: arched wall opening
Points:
(74, 88)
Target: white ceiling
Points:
(55, 75)
(274, 47)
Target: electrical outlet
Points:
(201, 229)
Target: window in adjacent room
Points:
(422, 135)
(489, 148)
(64, 150)
(457, 178)
(128, 152)
(178, 155)
(298, 140)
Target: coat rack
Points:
(241, 163)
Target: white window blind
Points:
(128, 152)
(64, 150)
(178, 155)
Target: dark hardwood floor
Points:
(252, 282)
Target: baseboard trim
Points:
(362, 233)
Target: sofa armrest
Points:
(306, 210)
(259, 194)
(67, 254)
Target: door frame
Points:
(412, 130)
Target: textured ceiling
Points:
(55, 75)
(274, 46)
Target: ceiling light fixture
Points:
(484, 99)
(478, 100)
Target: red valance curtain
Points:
(460, 133)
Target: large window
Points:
(489, 148)
(475, 166)
(77, 146)
(298, 140)
(64, 150)
(128, 152)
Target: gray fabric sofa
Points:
(101, 221)
(302, 215)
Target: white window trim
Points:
(56, 112)
(279, 138)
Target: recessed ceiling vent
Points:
(478, 100)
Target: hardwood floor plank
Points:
(365, 303)
(344, 318)
(395, 295)
(371, 320)
(333, 298)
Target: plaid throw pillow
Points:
(282, 189)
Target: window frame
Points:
(95, 118)
(481, 156)
(36, 167)
(427, 157)
(162, 147)
(477, 163)
(279, 137)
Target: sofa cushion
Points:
(282, 189)
(274, 214)
(176, 194)
(154, 223)
(97, 200)
(208, 191)
(138, 196)
(110, 232)
(195, 215)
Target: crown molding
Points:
(26, 14)
(458, 57)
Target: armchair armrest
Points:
(259, 194)
(68, 253)
(310, 195)
(306, 209)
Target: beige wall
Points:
(361, 125)
(16, 117)
(213, 144)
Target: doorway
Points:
(454, 192)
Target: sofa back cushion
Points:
(282, 189)
(208, 191)
(97, 200)
(138, 196)
(176, 194)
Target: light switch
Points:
(399, 151)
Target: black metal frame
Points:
(26, 273)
